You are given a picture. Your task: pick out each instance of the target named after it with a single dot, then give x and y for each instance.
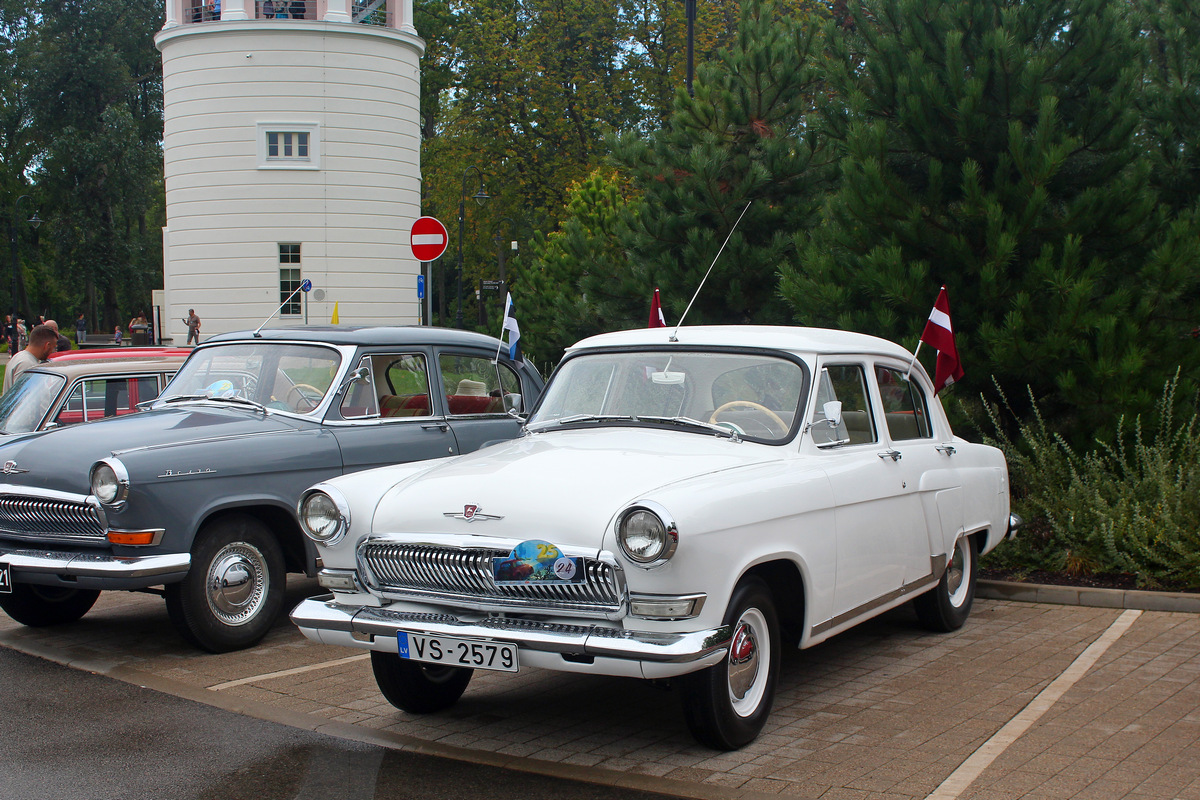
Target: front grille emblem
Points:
(11, 468)
(471, 513)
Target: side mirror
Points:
(357, 376)
(512, 403)
(833, 413)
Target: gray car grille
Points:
(466, 574)
(50, 520)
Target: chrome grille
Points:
(55, 520)
(467, 574)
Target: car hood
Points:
(563, 486)
(61, 459)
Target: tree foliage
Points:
(993, 146)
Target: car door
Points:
(389, 415)
(869, 494)
(925, 457)
(478, 391)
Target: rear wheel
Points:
(418, 688)
(946, 607)
(43, 606)
(727, 705)
(234, 590)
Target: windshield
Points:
(24, 406)
(753, 395)
(285, 377)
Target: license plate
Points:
(5, 579)
(455, 652)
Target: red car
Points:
(81, 385)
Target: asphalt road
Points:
(69, 734)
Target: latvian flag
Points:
(512, 329)
(656, 315)
(939, 334)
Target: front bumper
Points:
(93, 570)
(553, 645)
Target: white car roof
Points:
(794, 339)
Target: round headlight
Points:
(322, 518)
(647, 536)
(109, 483)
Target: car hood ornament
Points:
(11, 468)
(471, 513)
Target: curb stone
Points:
(1089, 596)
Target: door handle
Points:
(948, 449)
(894, 455)
(441, 426)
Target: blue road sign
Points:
(306, 286)
(420, 287)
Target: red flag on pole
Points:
(656, 315)
(939, 334)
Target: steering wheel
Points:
(750, 404)
(304, 393)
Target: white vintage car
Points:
(679, 506)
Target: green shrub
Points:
(1129, 507)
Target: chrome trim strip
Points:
(323, 613)
(95, 565)
(227, 438)
(937, 565)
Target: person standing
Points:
(64, 343)
(42, 341)
(193, 325)
(80, 329)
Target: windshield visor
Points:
(25, 405)
(285, 377)
(755, 395)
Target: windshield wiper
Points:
(719, 430)
(577, 418)
(234, 398)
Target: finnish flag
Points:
(512, 330)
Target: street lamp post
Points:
(12, 243)
(479, 196)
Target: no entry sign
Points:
(428, 238)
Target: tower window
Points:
(289, 280)
(289, 145)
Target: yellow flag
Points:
(334, 321)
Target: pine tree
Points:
(991, 146)
(580, 284)
(743, 139)
(1172, 98)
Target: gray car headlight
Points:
(647, 534)
(324, 515)
(110, 482)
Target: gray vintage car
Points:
(198, 493)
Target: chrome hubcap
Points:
(236, 584)
(749, 655)
(958, 572)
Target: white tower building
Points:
(292, 151)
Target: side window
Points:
(476, 385)
(401, 382)
(95, 398)
(144, 388)
(904, 405)
(847, 384)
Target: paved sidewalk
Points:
(884, 712)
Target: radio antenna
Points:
(674, 337)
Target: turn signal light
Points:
(133, 537)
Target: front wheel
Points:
(727, 705)
(234, 589)
(43, 606)
(945, 607)
(418, 688)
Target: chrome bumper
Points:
(323, 614)
(95, 569)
